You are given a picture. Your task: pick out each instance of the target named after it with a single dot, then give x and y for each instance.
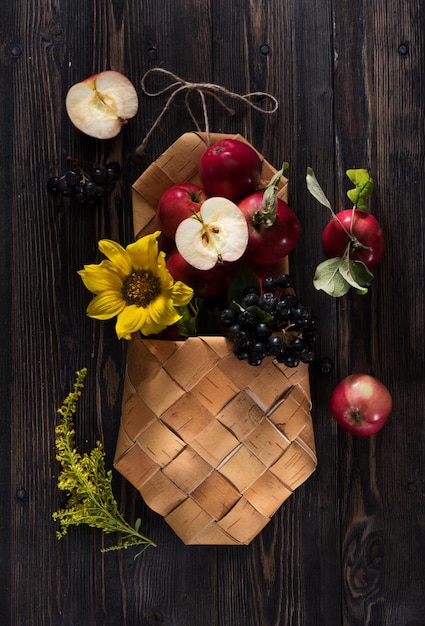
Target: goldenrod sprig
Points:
(87, 483)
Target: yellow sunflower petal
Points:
(167, 281)
(130, 320)
(105, 305)
(162, 312)
(144, 252)
(117, 254)
(151, 327)
(102, 277)
(182, 294)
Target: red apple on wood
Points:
(358, 229)
(361, 404)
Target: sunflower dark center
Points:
(141, 287)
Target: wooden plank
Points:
(376, 84)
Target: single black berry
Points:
(263, 330)
(247, 320)
(73, 177)
(267, 302)
(250, 299)
(52, 185)
(326, 365)
(113, 170)
(228, 317)
(283, 281)
(99, 175)
(269, 284)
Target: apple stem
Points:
(266, 216)
(355, 244)
(196, 215)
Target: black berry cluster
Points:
(86, 188)
(271, 322)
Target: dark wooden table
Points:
(348, 547)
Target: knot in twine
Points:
(215, 91)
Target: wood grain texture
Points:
(349, 546)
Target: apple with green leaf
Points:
(352, 241)
(273, 227)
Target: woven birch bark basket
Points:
(213, 444)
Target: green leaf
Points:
(362, 275)
(187, 324)
(261, 316)
(355, 273)
(316, 190)
(328, 278)
(241, 280)
(207, 320)
(336, 276)
(363, 187)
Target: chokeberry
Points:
(267, 302)
(247, 320)
(269, 284)
(250, 299)
(283, 281)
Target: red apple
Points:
(102, 104)
(268, 244)
(178, 203)
(358, 229)
(230, 168)
(361, 404)
(206, 284)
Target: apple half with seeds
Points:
(101, 105)
(218, 232)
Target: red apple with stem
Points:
(352, 241)
(357, 230)
(273, 228)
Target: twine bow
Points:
(215, 91)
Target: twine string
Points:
(217, 92)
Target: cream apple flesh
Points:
(100, 105)
(217, 233)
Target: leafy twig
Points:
(337, 275)
(87, 483)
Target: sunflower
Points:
(133, 283)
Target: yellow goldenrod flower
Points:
(134, 285)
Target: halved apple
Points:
(217, 233)
(100, 105)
